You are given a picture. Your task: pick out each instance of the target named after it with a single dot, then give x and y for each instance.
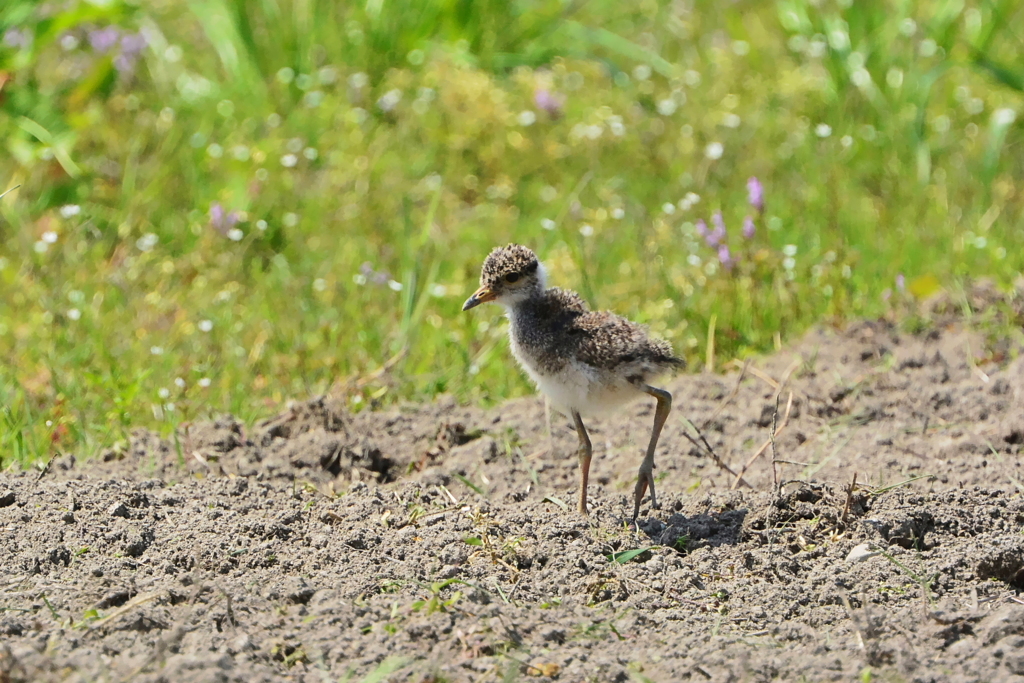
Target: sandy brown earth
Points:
(439, 542)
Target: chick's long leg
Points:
(585, 451)
(645, 477)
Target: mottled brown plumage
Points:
(586, 362)
(556, 328)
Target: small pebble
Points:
(6, 498)
(862, 552)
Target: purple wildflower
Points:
(702, 227)
(220, 221)
(715, 237)
(133, 43)
(748, 227)
(548, 101)
(901, 283)
(755, 193)
(724, 257)
(103, 40)
(376, 277)
(718, 222)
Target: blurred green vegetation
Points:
(225, 204)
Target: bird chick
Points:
(587, 363)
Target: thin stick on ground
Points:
(227, 606)
(45, 468)
(705, 446)
(767, 443)
(361, 382)
(127, 607)
(768, 379)
(761, 375)
(775, 453)
(849, 498)
(853, 621)
(775, 427)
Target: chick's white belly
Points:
(582, 388)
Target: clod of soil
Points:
(438, 542)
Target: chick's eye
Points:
(511, 277)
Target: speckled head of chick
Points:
(509, 275)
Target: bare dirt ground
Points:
(433, 543)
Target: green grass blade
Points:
(621, 46)
(626, 555)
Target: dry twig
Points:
(768, 442)
(849, 498)
(704, 445)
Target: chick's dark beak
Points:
(480, 296)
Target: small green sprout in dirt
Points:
(601, 628)
(435, 603)
(892, 487)
(416, 512)
(625, 556)
(476, 489)
(292, 655)
(805, 545)
(681, 544)
(557, 501)
(502, 550)
(925, 582)
(605, 587)
(89, 616)
(510, 441)
(510, 546)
